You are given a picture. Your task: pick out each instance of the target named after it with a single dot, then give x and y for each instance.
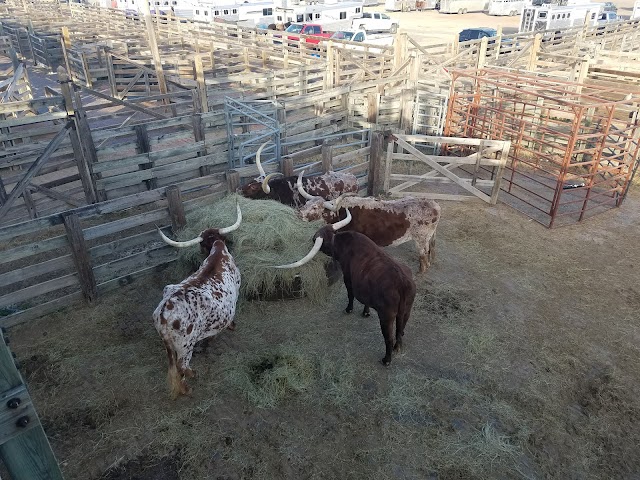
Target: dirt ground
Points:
(521, 360)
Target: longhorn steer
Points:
(386, 222)
(200, 306)
(328, 186)
(371, 276)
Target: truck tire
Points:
(464, 11)
(394, 28)
(513, 13)
(459, 11)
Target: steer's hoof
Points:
(232, 326)
(386, 361)
(397, 347)
(366, 314)
(348, 310)
(189, 373)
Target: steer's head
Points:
(207, 237)
(317, 207)
(322, 241)
(259, 188)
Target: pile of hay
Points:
(270, 234)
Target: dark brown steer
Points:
(371, 276)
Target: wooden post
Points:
(482, 52)
(84, 150)
(143, 146)
(287, 166)
(111, 73)
(375, 182)
(29, 203)
(406, 114)
(533, 53)
(202, 86)
(153, 45)
(176, 208)
(327, 157)
(3, 193)
(373, 105)
(233, 181)
(400, 50)
(24, 449)
(81, 258)
(65, 41)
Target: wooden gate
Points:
(466, 169)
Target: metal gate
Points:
(429, 113)
(249, 125)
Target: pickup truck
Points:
(305, 29)
(360, 36)
(375, 22)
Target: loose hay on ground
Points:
(270, 234)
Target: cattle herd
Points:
(204, 304)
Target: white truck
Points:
(360, 40)
(558, 17)
(375, 22)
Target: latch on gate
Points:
(17, 414)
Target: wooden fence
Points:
(84, 252)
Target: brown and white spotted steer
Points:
(200, 306)
(386, 222)
(371, 276)
(328, 186)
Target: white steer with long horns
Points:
(371, 276)
(200, 306)
(386, 222)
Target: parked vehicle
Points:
(610, 7)
(557, 17)
(305, 29)
(607, 17)
(476, 33)
(375, 22)
(636, 10)
(463, 6)
(506, 7)
(360, 36)
(409, 5)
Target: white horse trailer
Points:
(636, 10)
(509, 8)
(463, 6)
(558, 17)
(249, 14)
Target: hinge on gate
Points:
(17, 414)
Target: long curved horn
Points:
(265, 183)
(235, 225)
(334, 205)
(301, 190)
(258, 164)
(338, 225)
(306, 258)
(173, 243)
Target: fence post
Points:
(287, 167)
(202, 86)
(373, 105)
(81, 257)
(376, 150)
(533, 53)
(406, 112)
(482, 52)
(176, 208)
(327, 157)
(143, 146)
(233, 181)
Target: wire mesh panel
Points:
(573, 147)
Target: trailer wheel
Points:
(459, 11)
(464, 11)
(513, 13)
(394, 28)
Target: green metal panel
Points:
(24, 448)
